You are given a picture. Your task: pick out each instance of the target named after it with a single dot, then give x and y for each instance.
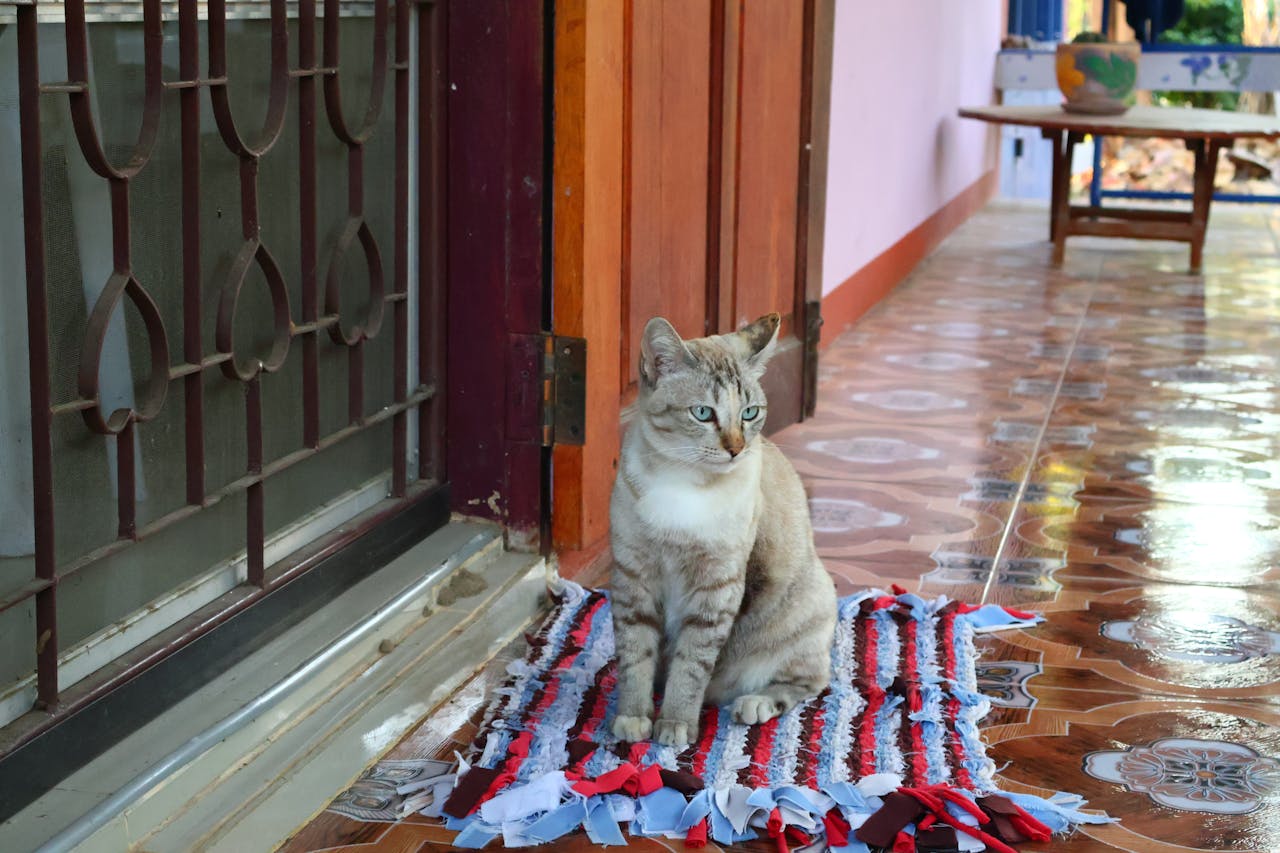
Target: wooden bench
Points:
(1204, 132)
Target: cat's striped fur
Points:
(718, 592)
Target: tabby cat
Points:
(718, 593)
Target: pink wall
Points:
(897, 150)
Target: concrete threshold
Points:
(252, 756)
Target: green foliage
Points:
(1088, 37)
(1117, 73)
(1205, 22)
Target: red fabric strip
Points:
(960, 774)
(837, 828)
(1030, 827)
(919, 761)
(710, 722)
(810, 777)
(867, 734)
(796, 835)
(955, 797)
(606, 783)
(648, 780)
(638, 751)
(875, 698)
(775, 829)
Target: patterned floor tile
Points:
(835, 448)
(1179, 774)
(1211, 642)
(916, 362)
(868, 399)
(1154, 422)
(1135, 543)
(1236, 475)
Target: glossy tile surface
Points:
(1099, 443)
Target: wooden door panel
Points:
(768, 155)
(682, 190)
(664, 264)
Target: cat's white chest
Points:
(679, 503)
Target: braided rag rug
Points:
(888, 757)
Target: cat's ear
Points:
(662, 351)
(761, 339)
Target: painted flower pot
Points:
(1097, 77)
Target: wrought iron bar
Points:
(307, 71)
(46, 639)
(400, 271)
(192, 316)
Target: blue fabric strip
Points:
(600, 825)
(660, 812)
(558, 822)
(697, 809)
(476, 835)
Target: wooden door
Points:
(684, 157)
(716, 107)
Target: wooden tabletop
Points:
(1169, 122)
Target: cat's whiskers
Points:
(667, 451)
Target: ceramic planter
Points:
(1097, 77)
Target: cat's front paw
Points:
(632, 729)
(674, 733)
(752, 709)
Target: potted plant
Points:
(1097, 76)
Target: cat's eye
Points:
(750, 413)
(702, 414)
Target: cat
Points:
(718, 592)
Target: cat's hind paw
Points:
(632, 729)
(674, 733)
(752, 709)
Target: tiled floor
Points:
(1099, 443)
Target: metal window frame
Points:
(419, 179)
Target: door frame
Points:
(497, 174)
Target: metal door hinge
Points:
(564, 390)
(812, 334)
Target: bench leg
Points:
(1060, 202)
(1055, 138)
(1206, 159)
